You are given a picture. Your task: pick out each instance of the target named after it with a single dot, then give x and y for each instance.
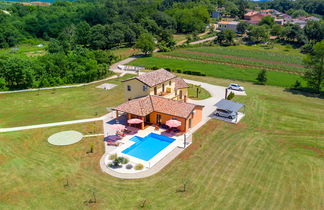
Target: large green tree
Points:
(225, 38)
(315, 64)
(258, 34)
(145, 43)
(314, 31)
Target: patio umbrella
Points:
(173, 123)
(119, 127)
(134, 121)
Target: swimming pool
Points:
(146, 148)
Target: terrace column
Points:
(142, 124)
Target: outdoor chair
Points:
(121, 134)
(111, 143)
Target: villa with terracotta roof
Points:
(157, 110)
(159, 82)
(159, 96)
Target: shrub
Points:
(129, 166)
(115, 164)
(230, 96)
(112, 156)
(179, 71)
(139, 166)
(155, 68)
(297, 84)
(122, 160)
(262, 77)
(168, 69)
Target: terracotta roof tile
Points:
(155, 77)
(148, 104)
(141, 106)
(180, 83)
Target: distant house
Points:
(253, 17)
(280, 21)
(159, 82)
(25, 3)
(302, 21)
(216, 14)
(39, 3)
(232, 25)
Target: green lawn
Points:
(27, 108)
(179, 37)
(202, 93)
(273, 159)
(30, 50)
(275, 78)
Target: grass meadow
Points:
(46, 106)
(273, 159)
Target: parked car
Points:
(236, 87)
(225, 113)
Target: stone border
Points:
(139, 175)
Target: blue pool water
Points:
(146, 148)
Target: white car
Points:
(236, 87)
(225, 113)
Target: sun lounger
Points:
(111, 143)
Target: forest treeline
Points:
(81, 32)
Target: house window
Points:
(155, 90)
(163, 87)
(129, 88)
(144, 88)
(170, 83)
(190, 123)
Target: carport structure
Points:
(230, 105)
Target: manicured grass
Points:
(273, 159)
(281, 79)
(45, 106)
(202, 93)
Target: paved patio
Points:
(106, 86)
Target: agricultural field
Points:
(273, 159)
(248, 61)
(123, 53)
(275, 78)
(284, 65)
(46, 106)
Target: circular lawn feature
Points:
(65, 138)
